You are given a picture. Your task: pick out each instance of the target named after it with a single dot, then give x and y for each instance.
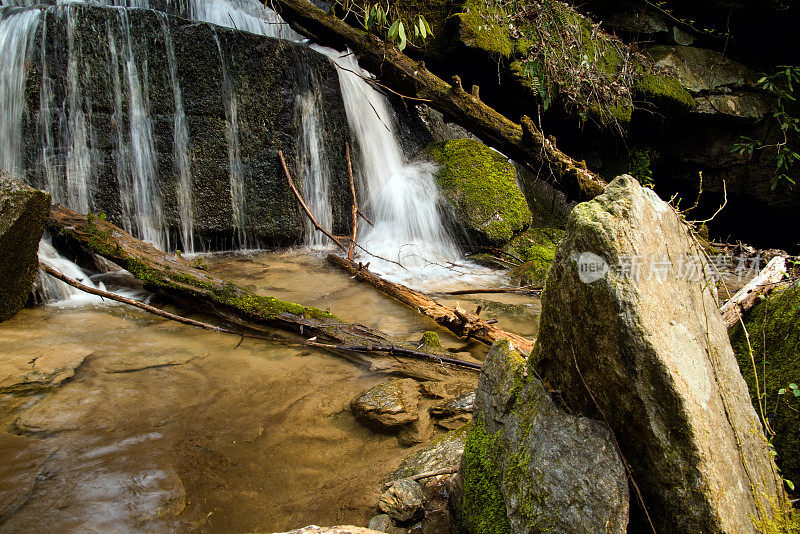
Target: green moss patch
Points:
(480, 184)
(482, 26)
(664, 91)
(774, 328)
(536, 248)
(482, 510)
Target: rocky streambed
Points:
(114, 420)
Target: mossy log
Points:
(178, 278)
(524, 142)
(457, 321)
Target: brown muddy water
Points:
(154, 426)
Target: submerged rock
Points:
(388, 405)
(403, 501)
(480, 187)
(774, 329)
(528, 467)
(628, 315)
(459, 405)
(23, 212)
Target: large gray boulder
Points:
(23, 212)
(528, 467)
(649, 344)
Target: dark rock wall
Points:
(266, 75)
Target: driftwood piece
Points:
(490, 290)
(305, 207)
(523, 142)
(354, 199)
(458, 321)
(751, 293)
(392, 350)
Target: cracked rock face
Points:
(651, 346)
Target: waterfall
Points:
(17, 31)
(314, 168)
(401, 196)
(146, 198)
(245, 15)
(78, 157)
(408, 240)
(234, 153)
(180, 147)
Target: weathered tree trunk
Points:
(457, 321)
(524, 142)
(751, 293)
(178, 278)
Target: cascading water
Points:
(180, 147)
(409, 241)
(146, 199)
(234, 153)
(314, 168)
(17, 31)
(50, 290)
(78, 156)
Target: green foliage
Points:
(639, 165)
(785, 154)
(560, 55)
(378, 20)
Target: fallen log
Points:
(524, 142)
(749, 295)
(179, 279)
(393, 350)
(460, 322)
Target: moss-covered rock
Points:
(536, 248)
(480, 186)
(23, 212)
(774, 329)
(527, 467)
(482, 25)
(666, 92)
(481, 508)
